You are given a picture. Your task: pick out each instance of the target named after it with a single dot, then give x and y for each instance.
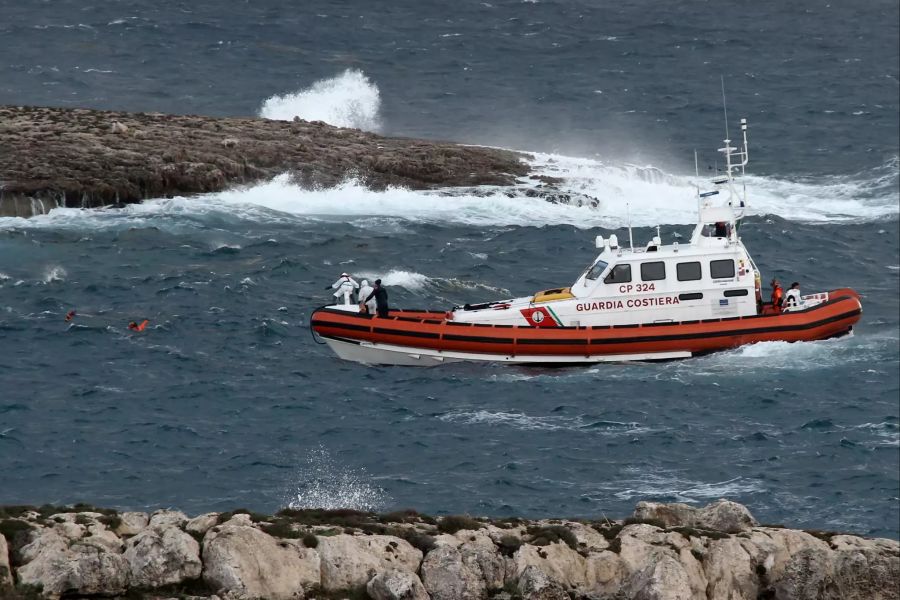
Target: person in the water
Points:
(134, 326)
(381, 299)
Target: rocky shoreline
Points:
(52, 157)
(663, 551)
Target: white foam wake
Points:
(347, 100)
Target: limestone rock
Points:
(589, 539)
(557, 561)
(730, 571)
(159, 557)
(202, 523)
(727, 516)
(669, 515)
(535, 585)
(396, 585)
(98, 535)
(661, 579)
(350, 561)
(5, 571)
(168, 518)
(445, 577)
(604, 572)
(242, 562)
(464, 566)
(90, 158)
(132, 523)
(58, 567)
(652, 555)
(722, 515)
(866, 569)
(772, 549)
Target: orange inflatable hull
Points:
(431, 330)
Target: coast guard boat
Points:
(656, 302)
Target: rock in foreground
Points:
(664, 551)
(53, 157)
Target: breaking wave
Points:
(589, 194)
(347, 100)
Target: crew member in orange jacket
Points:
(777, 295)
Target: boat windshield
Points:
(596, 270)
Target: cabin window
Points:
(619, 274)
(721, 269)
(653, 271)
(596, 270)
(689, 271)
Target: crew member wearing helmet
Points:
(364, 290)
(345, 287)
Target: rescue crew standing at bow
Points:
(364, 291)
(345, 287)
(777, 295)
(381, 299)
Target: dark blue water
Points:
(226, 400)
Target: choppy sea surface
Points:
(226, 399)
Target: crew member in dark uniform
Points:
(381, 299)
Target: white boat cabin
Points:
(712, 277)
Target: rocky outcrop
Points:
(662, 552)
(5, 569)
(240, 561)
(89, 158)
(396, 585)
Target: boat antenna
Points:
(630, 238)
(724, 107)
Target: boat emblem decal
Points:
(540, 317)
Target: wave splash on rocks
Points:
(324, 484)
(347, 100)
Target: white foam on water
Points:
(606, 194)
(800, 356)
(653, 196)
(649, 486)
(513, 419)
(525, 422)
(601, 195)
(346, 100)
(353, 199)
(409, 280)
(322, 483)
(53, 274)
